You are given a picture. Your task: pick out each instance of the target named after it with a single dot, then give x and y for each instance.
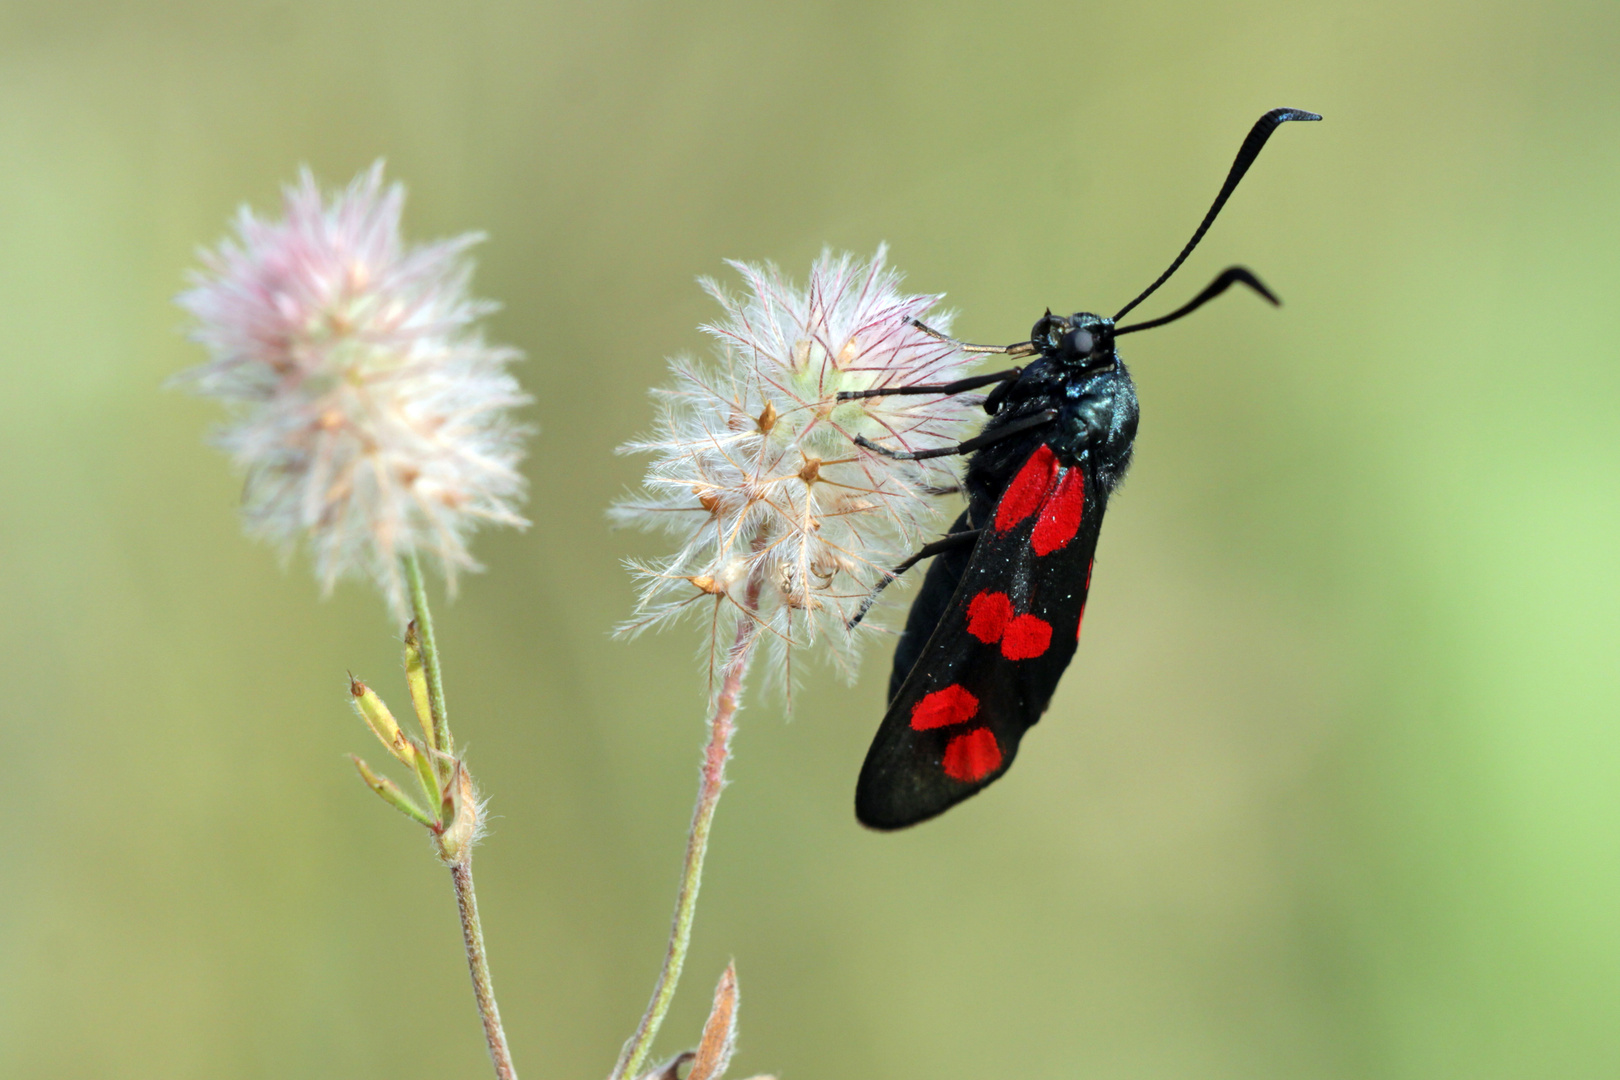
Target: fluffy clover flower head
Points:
(369, 416)
(780, 516)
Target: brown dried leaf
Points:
(719, 1032)
(461, 816)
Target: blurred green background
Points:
(1332, 789)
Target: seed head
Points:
(368, 414)
(780, 516)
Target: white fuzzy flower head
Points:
(370, 418)
(781, 518)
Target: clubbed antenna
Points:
(1232, 275)
(1246, 154)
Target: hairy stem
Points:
(721, 728)
(478, 964)
(460, 873)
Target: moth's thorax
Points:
(1098, 417)
(1079, 375)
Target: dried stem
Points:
(472, 932)
(721, 728)
(478, 963)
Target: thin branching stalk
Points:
(721, 728)
(461, 872)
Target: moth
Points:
(998, 616)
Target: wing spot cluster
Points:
(991, 620)
(1057, 496)
(971, 756)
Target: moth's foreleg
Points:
(1046, 416)
(960, 386)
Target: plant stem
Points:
(478, 963)
(430, 652)
(472, 932)
(721, 728)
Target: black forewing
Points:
(907, 774)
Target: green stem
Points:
(721, 728)
(472, 932)
(430, 652)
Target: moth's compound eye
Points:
(1081, 342)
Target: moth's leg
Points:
(957, 387)
(1046, 416)
(948, 542)
(993, 400)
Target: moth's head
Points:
(1082, 340)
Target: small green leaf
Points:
(416, 679)
(391, 794)
(381, 722)
(428, 776)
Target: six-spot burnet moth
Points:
(998, 616)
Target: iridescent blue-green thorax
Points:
(1079, 374)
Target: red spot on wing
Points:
(1060, 516)
(988, 616)
(1026, 638)
(942, 708)
(1024, 495)
(972, 756)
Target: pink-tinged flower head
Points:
(780, 515)
(369, 415)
